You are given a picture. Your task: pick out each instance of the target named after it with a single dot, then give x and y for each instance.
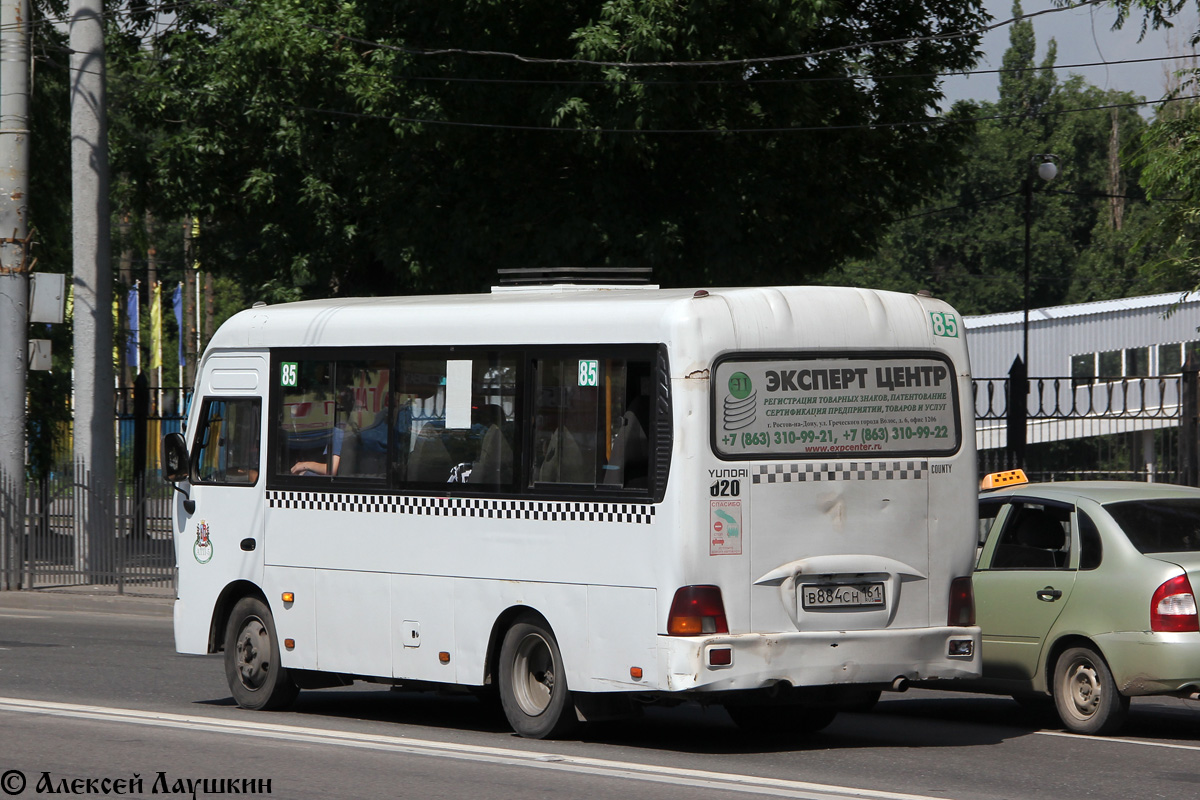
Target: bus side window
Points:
(421, 454)
(565, 415)
(310, 443)
(362, 415)
(227, 446)
(592, 422)
(628, 456)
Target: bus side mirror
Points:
(174, 458)
(175, 466)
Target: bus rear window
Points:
(823, 406)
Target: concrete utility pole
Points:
(95, 440)
(14, 259)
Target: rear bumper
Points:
(1152, 663)
(815, 658)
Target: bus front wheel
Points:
(533, 683)
(252, 665)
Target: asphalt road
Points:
(94, 700)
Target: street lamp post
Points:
(1018, 407)
(1043, 164)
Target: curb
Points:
(84, 599)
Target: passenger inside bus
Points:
(494, 464)
(331, 457)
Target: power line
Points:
(757, 81)
(723, 131)
(743, 62)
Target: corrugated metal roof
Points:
(1082, 309)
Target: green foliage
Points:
(1170, 156)
(969, 245)
(359, 148)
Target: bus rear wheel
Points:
(533, 682)
(252, 667)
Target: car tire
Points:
(1086, 695)
(255, 676)
(533, 682)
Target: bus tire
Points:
(252, 667)
(533, 683)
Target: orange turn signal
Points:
(635, 673)
(288, 597)
(444, 657)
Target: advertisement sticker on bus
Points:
(825, 406)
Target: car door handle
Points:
(249, 544)
(1049, 594)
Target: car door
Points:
(1024, 579)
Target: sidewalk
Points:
(95, 599)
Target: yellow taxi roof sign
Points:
(998, 480)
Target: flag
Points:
(133, 331)
(156, 327)
(177, 302)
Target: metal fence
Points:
(113, 530)
(74, 528)
(1121, 428)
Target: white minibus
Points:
(584, 499)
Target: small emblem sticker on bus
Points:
(202, 549)
(725, 528)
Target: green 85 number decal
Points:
(944, 324)
(288, 373)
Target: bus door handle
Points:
(249, 544)
(1049, 594)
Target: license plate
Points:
(841, 595)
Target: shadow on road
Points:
(954, 721)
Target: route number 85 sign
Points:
(944, 324)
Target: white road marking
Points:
(1116, 740)
(11, 615)
(750, 784)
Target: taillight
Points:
(697, 610)
(1173, 607)
(962, 603)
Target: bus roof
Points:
(766, 317)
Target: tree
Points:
(967, 245)
(358, 148)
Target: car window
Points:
(1091, 550)
(988, 511)
(1159, 525)
(1034, 537)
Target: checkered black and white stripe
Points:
(482, 508)
(848, 471)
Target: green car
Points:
(1083, 591)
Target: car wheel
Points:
(1086, 695)
(252, 667)
(533, 682)
(782, 722)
